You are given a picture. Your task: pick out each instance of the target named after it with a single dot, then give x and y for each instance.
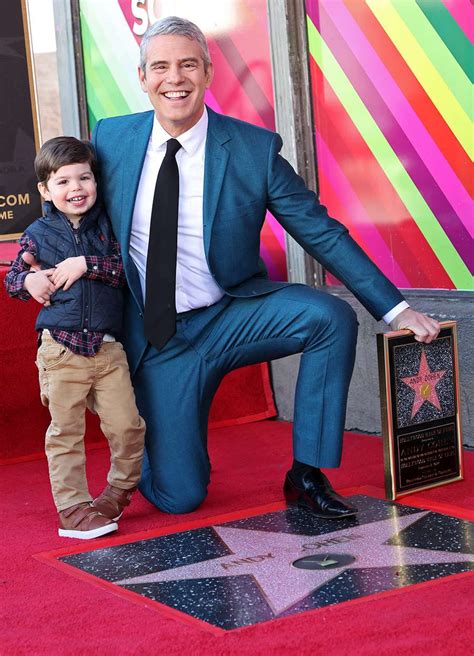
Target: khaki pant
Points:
(69, 383)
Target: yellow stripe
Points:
(389, 162)
(425, 72)
(437, 52)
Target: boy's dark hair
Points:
(61, 151)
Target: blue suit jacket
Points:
(244, 176)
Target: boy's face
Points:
(72, 189)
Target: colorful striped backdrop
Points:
(392, 90)
(237, 31)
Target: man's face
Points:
(175, 81)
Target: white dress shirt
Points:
(195, 286)
(394, 312)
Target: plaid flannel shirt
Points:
(107, 269)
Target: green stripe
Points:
(109, 31)
(94, 105)
(451, 33)
(104, 97)
(92, 118)
(439, 55)
(387, 159)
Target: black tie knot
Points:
(172, 147)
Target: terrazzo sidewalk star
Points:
(242, 572)
(269, 557)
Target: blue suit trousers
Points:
(175, 386)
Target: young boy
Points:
(70, 262)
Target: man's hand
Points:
(68, 271)
(39, 286)
(423, 327)
(29, 259)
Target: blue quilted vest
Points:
(88, 305)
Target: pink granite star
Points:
(424, 384)
(269, 557)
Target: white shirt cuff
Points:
(394, 312)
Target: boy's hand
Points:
(39, 286)
(68, 271)
(423, 327)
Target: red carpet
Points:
(244, 395)
(49, 612)
(8, 252)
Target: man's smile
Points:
(173, 95)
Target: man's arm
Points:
(24, 281)
(329, 242)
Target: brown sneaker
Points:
(84, 522)
(112, 501)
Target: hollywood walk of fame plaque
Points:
(244, 570)
(419, 396)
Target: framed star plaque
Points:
(419, 395)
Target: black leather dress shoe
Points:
(318, 496)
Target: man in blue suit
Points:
(212, 178)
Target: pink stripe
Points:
(212, 102)
(375, 245)
(403, 112)
(269, 262)
(277, 230)
(461, 11)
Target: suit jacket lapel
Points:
(215, 165)
(134, 156)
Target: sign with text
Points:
(419, 392)
(19, 199)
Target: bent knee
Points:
(175, 503)
(181, 506)
(346, 315)
(335, 314)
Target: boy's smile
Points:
(72, 189)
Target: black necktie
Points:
(160, 303)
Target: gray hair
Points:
(178, 26)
